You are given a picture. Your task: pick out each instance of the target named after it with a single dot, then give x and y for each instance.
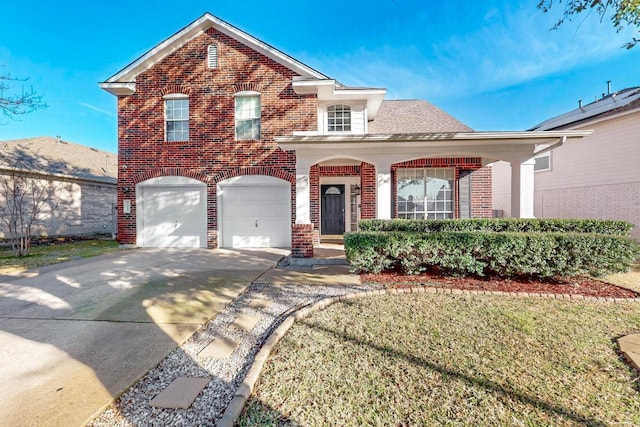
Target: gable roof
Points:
(613, 104)
(413, 116)
(51, 156)
(123, 82)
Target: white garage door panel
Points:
(174, 217)
(256, 216)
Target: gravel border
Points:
(228, 375)
(233, 379)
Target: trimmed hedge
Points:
(500, 225)
(540, 255)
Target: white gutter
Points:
(518, 137)
(558, 144)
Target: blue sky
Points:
(493, 64)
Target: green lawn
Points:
(630, 279)
(434, 359)
(53, 254)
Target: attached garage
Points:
(254, 211)
(171, 213)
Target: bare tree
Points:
(26, 198)
(15, 102)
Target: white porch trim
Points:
(303, 196)
(517, 148)
(384, 205)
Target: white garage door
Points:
(173, 213)
(255, 212)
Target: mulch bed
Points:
(574, 286)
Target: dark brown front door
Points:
(332, 209)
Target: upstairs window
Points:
(247, 113)
(212, 56)
(176, 114)
(339, 118)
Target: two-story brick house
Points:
(225, 141)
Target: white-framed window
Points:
(212, 56)
(339, 118)
(542, 162)
(247, 115)
(176, 116)
(425, 193)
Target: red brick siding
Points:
(368, 182)
(317, 172)
(212, 153)
(302, 240)
(314, 196)
(481, 197)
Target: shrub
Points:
(500, 225)
(507, 254)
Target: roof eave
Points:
(518, 137)
(330, 90)
(119, 89)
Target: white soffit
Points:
(114, 84)
(460, 138)
(329, 90)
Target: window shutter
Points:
(464, 186)
(212, 57)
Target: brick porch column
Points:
(302, 240)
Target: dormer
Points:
(341, 110)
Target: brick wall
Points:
(481, 198)
(212, 153)
(367, 175)
(302, 240)
(368, 182)
(481, 205)
(76, 207)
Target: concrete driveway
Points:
(74, 335)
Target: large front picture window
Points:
(426, 193)
(247, 113)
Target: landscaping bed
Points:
(585, 286)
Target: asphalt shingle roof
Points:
(414, 116)
(47, 155)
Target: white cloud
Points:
(98, 109)
(510, 47)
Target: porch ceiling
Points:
(393, 148)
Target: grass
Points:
(630, 279)
(52, 254)
(434, 359)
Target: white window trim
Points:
(175, 96)
(326, 119)
(247, 93)
(425, 199)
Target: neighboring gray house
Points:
(84, 178)
(597, 177)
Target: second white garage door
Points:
(254, 212)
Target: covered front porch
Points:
(359, 172)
